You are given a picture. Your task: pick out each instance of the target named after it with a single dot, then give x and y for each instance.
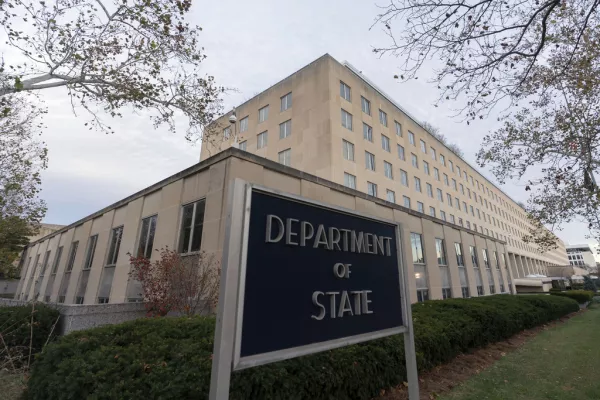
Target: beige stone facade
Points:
(47, 276)
(345, 129)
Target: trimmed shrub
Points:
(580, 296)
(18, 332)
(170, 358)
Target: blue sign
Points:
(315, 275)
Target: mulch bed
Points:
(443, 378)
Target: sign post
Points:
(300, 277)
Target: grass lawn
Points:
(561, 363)
(11, 385)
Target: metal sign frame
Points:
(227, 341)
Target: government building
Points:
(325, 133)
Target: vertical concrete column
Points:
(513, 265)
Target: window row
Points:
(189, 242)
(421, 276)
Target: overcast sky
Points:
(250, 45)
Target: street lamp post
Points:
(232, 121)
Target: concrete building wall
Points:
(210, 181)
(488, 210)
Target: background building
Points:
(581, 255)
(329, 120)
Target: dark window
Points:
(147, 237)
(115, 244)
(422, 295)
(192, 220)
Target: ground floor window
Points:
(480, 290)
(422, 295)
(446, 293)
(465, 292)
(492, 289)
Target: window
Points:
(416, 245)
(462, 273)
(468, 225)
(370, 161)
(91, 249)
(454, 184)
(469, 192)
(432, 211)
(419, 267)
(367, 132)
(226, 133)
(462, 188)
(72, 254)
(420, 207)
(243, 145)
(423, 146)
(451, 166)
(147, 237)
(387, 170)
(263, 114)
(442, 160)
(472, 210)
(429, 189)
(346, 119)
(372, 189)
(243, 124)
(411, 138)
(261, 140)
(449, 198)
(286, 101)
(385, 143)
(452, 218)
(365, 105)
(403, 178)
(406, 201)
(440, 195)
(56, 260)
(433, 154)
(349, 180)
(192, 221)
(348, 150)
(479, 283)
(414, 160)
(426, 167)
(457, 202)
(115, 244)
(285, 157)
(460, 221)
(465, 207)
(44, 266)
(390, 196)
(458, 170)
(446, 180)
(417, 184)
(285, 129)
(400, 152)
(465, 176)
(398, 128)
(102, 300)
(443, 215)
(440, 251)
(345, 91)
(486, 262)
(382, 117)
(471, 180)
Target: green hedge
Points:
(171, 358)
(17, 332)
(580, 296)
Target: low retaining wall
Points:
(8, 288)
(75, 317)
